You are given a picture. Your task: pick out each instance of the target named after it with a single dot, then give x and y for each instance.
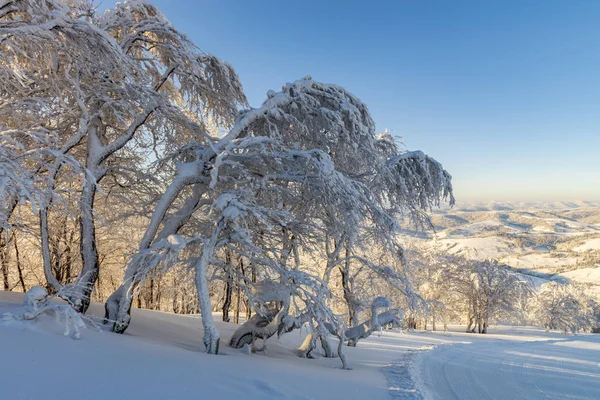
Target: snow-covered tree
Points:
(564, 307)
(268, 195)
(484, 291)
(109, 86)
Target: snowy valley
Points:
(558, 241)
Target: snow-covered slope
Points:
(518, 364)
(161, 357)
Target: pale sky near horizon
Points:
(506, 94)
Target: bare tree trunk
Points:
(247, 300)
(68, 256)
(238, 294)
(4, 261)
(228, 287)
(236, 305)
(352, 314)
(158, 293)
(150, 295)
(175, 295)
(248, 309)
(185, 306)
(18, 260)
(227, 302)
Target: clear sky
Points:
(506, 94)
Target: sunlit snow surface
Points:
(161, 357)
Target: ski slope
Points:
(529, 365)
(161, 357)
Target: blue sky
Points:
(506, 94)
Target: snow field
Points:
(161, 357)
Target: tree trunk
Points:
(322, 333)
(158, 293)
(18, 260)
(211, 334)
(150, 295)
(4, 261)
(68, 261)
(118, 305)
(175, 295)
(247, 300)
(5, 214)
(470, 323)
(52, 283)
(238, 294)
(84, 285)
(227, 302)
(236, 305)
(228, 287)
(348, 297)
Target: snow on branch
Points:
(416, 182)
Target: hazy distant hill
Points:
(557, 240)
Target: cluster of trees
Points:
(480, 292)
(477, 292)
(124, 145)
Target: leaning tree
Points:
(269, 189)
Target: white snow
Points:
(161, 356)
(519, 363)
(592, 244)
(584, 275)
(537, 260)
(480, 248)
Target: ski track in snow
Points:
(565, 368)
(402, 383)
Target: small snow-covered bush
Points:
(37, 302)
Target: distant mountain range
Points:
(521, 205)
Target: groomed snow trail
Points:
(512, 368)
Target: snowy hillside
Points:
(161, 357)
(554, 241)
